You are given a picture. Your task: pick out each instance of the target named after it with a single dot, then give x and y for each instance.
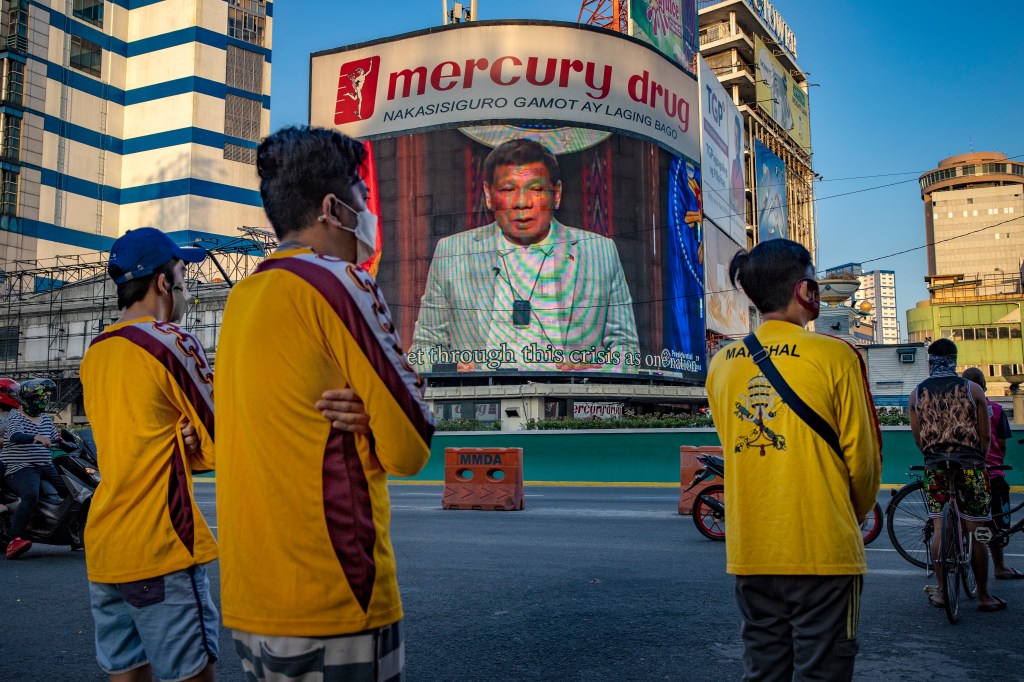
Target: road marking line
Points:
(645, 497)
(884, 549)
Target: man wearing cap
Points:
(149, 397)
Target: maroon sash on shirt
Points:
(182, 356)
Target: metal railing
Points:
(983, 288)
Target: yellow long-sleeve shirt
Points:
(794, 506)
(303, 509)
(141, 379)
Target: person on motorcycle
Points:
(8, 402)
(26, 456)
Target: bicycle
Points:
(709, 506)
(910, 529)
(911, 532)
(1000, 537)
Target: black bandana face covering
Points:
(942, 365)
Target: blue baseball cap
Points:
(141, 251)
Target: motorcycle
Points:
(709, 505)
(58, 521)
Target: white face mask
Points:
(365, 232)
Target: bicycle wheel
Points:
(709, 522)
(952, 561)
(872, 526)
(910, 529)
(969, 581)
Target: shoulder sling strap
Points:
(760, 357)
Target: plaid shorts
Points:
(368, 656)
(973, 492)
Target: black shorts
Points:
(1000, 502)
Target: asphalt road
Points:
(585, 584)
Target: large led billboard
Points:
(780, 96)
(770, 191)
(722, 157)
(529, 179)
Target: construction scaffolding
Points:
(50, 311)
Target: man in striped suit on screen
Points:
(525, 281)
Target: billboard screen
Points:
(779, 95)
(770, 179)
(684, 265)
(524, 241)
(722, 157)
(669, 25)
(726, 303)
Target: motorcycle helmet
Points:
(9, 393)
(34, 395)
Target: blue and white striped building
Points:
(116, 114)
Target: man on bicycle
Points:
(950, 423)
(999, 426)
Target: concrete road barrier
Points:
(483, 478)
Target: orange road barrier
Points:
(688, 468)
(483, 478)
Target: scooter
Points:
(58, 521)
(709, 505)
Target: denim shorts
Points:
(169, 622)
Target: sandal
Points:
(1000, 605)
(936, 601)
(1014, 575)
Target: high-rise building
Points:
(753, 52)
(974, 225)
(878, 290)
(974, 215)
(123, 114)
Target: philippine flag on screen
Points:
(357, 90)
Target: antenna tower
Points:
(610, 14)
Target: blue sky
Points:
(901, 86)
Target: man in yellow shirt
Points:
(149, 397)
(794, 503)
(308, 577)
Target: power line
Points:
(941, 241)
